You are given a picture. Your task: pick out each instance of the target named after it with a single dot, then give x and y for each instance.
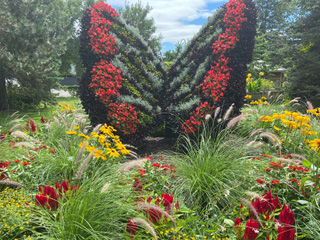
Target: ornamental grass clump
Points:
(212, 170)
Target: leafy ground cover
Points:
(256, 178)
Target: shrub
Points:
(126, 84)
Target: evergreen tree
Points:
(305, 75)
(33, 36)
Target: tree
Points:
(136, 15)
(171, 55)
(275, 18)
(33, 36)
(305, 75)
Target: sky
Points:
(176, 20)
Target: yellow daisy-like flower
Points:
(315, 144)
(124, 151)
(71, 132)
(102, 139)
(84, 136)
(94, 135)
(276, 128)
(112, 152)
(249, 75)
(248, 96)
(90, 149)
(98, 154)
(76, 127)
(82, 143)
(266, 118)
(264, 98)
(261, 74)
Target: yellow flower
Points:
(266, 118)
(124, 151)
(90, 149)
(71, 132)
(82, 143)
(263, 98)
(94, 135)
(98, 154)
(76, 127)
(102, 139)
(261, 74)
(112, 152)
(248, 96)
(276, 128)
(84, 136)
(249, 75)
(315, 143)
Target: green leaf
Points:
(228, 222)
(303, 202)
(306, 163)
(303, 182)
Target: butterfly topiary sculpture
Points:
(127, 85)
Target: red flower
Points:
(275, 182)
(131, 226)
(167, 200)
(48, 198)
(137, 186)
(154, 215)
(286, 216)
(26, 163)
(17, 161)
(43, 120)
(251, 230)
(237, 222)
(177, 205)
(156, 165)
(2, 136)
(32, 126)
(142, 172)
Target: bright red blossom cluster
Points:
(266, 206)
(100, 39)
(106, 78)
(123, 117)
(49, 196)
(193, 124)
(217, 78)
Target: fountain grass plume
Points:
(82, 166)
(146, 225)
(151, 206)
(234, 121)
(11, 182)
(130, 165)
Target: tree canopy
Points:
(33, 36)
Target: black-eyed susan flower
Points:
(71, 132)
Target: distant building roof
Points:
(69, 81)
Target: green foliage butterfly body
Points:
(127, 85)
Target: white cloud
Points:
(173, 18)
